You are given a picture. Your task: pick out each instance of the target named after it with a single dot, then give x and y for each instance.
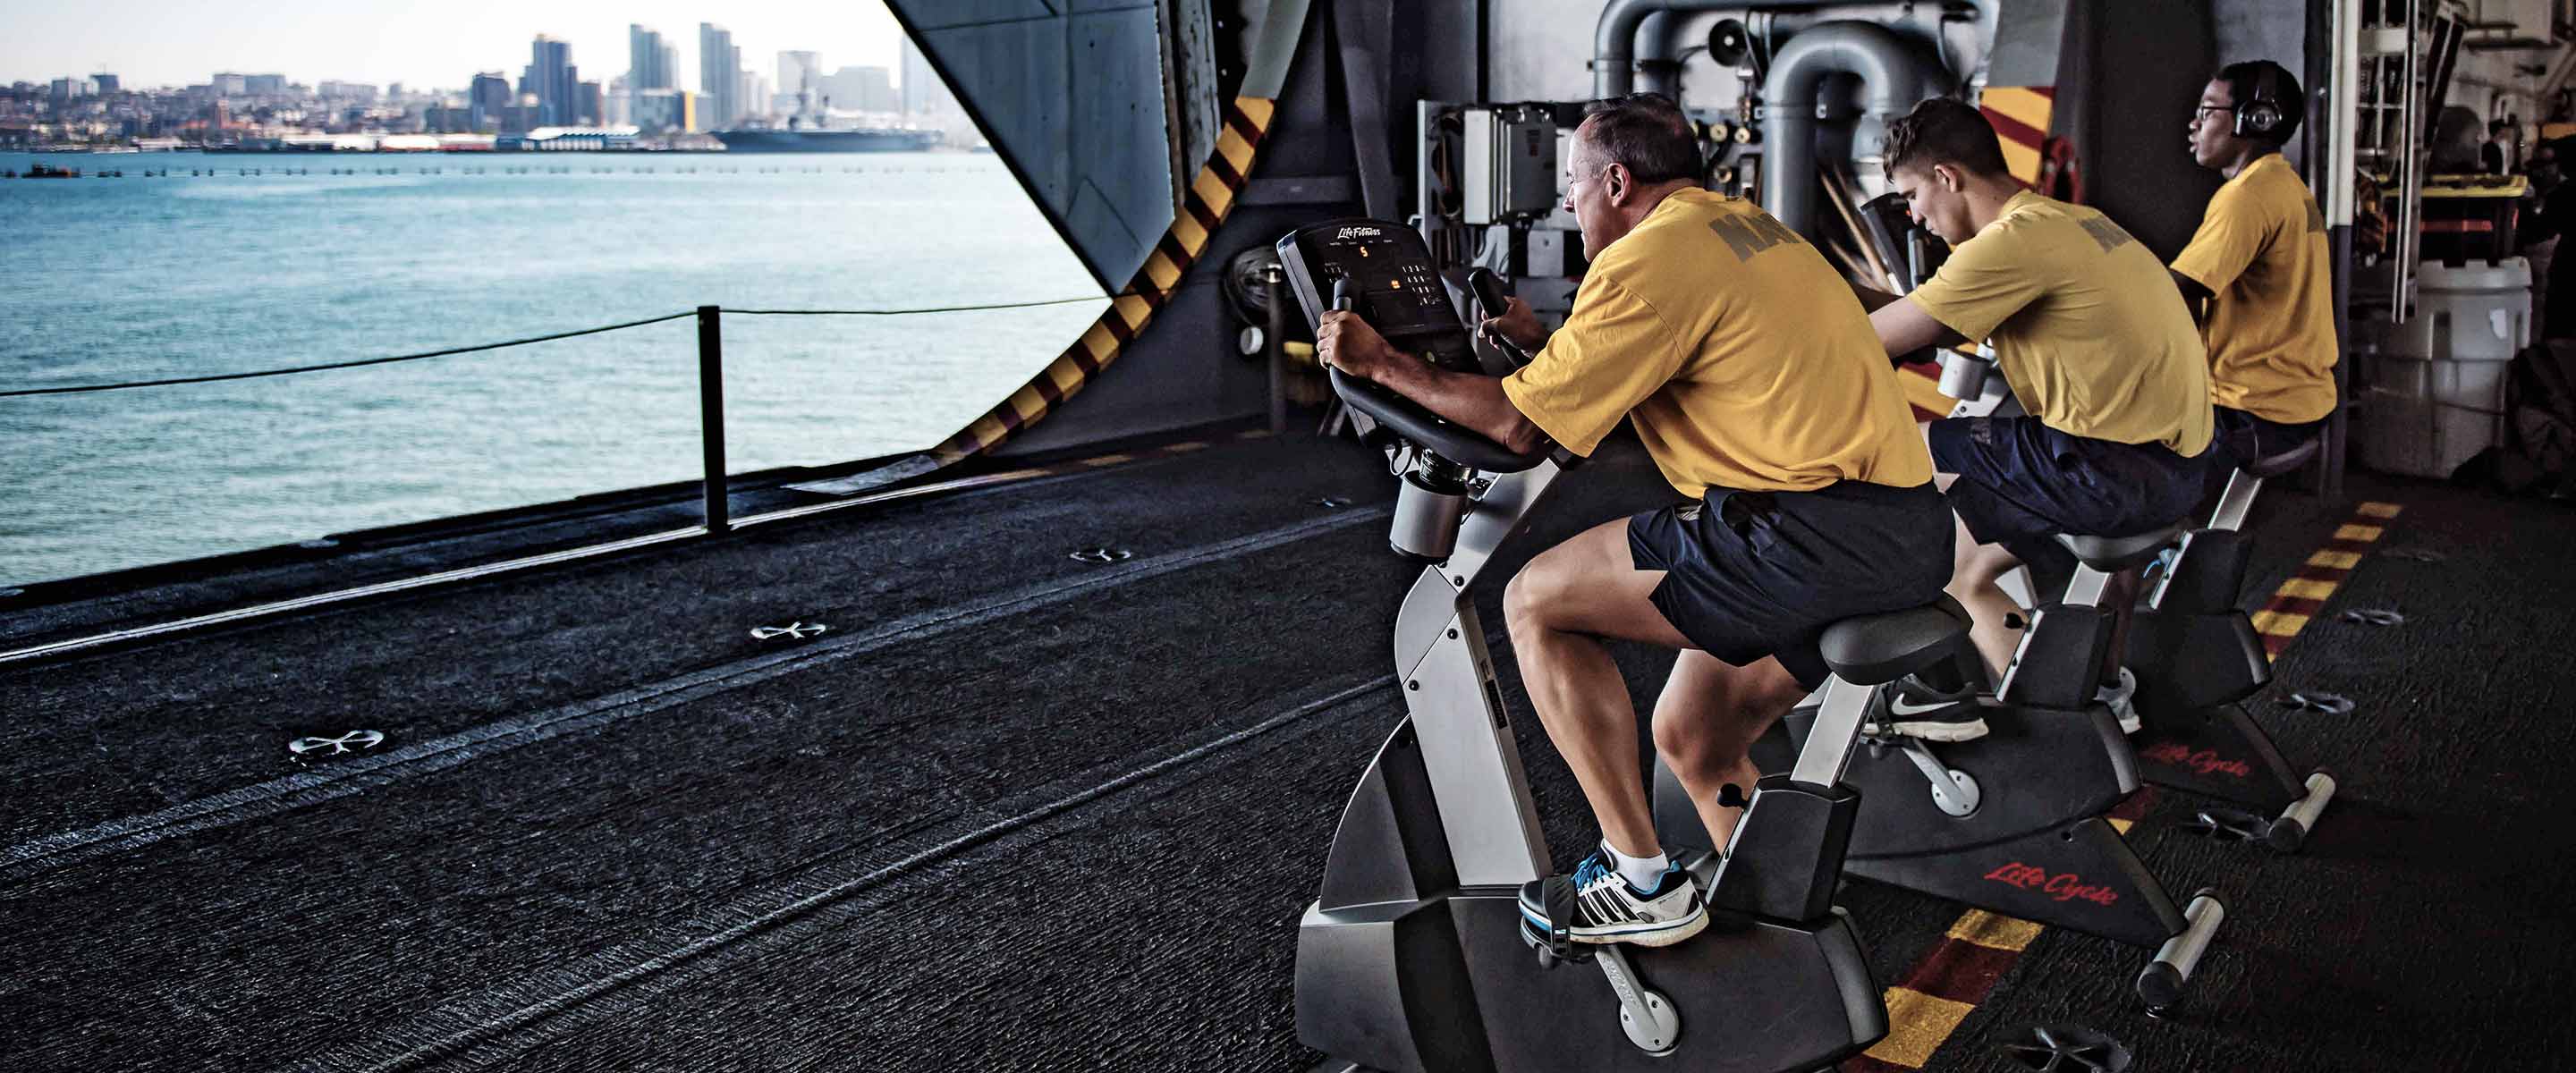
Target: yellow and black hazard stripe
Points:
(1210, 197)
(1962, 969)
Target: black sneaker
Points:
(1907, 708)
(1607, 909)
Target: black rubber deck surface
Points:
(1017, 812)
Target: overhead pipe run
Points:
(1893, 77)
(1631, 34)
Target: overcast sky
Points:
(418, 43)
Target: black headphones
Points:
(2259, 113)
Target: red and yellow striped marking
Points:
(1922, 384)
(1948, 982)
(1210, 198)
(2020, 115)
(2305, 592)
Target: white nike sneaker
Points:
(2119, 700)
(1606, 909)
(1907, 708)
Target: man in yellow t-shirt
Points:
(2097, 346)
(2261, 265)
(1751, 376)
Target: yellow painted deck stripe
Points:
(2279, 623)
(1924, 393)
(1994, 930)
(2121, 825)
(1916, 1026)
(2361, 533)
(2335, 560)
(2380, 510)
(1162, 271)
(2306, 589)
(1236, 151)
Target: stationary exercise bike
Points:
(2013, 821)
(2197, 658)
(1415, 956)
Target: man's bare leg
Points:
(1560, 608)
(1710, 714)
(1973, 582)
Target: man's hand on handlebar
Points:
(1346, 342)
(1519, 326)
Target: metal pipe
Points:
(1624, 24)
(711, 429)
(1893, 76)
(1274, 340)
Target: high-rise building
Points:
(799, 73)
(487, 99)
(228, 84)
(617, 105)
(925, 97)
(864, 89)
(555, 81)
(648, 63)
(719, 73)
(264, 85)
(360, 92)
(753, 95)
(107, 84)
(594, 105)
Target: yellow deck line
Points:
(1917, 1025)
(2363, 533)
(1994, 930)
(2335, 560)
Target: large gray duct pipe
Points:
(1631, 30)
(1893, 76)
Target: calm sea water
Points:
(113, 279)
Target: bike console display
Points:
(1382, 271)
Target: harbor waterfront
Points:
(244, 267)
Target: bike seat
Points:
(1870, 649)
(2284, 462)
(2111, 555)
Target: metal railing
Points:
(716, 483)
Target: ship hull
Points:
(827, 141)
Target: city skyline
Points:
(423, 46)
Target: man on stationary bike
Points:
(2258, 267)
(1751, 376)
(2096, 344)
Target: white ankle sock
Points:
(1643, 873)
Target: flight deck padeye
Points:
(1383, 271)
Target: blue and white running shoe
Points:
(1606, 909)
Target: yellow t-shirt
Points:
(1745, 361)
(2090, 332)
(2261, 249)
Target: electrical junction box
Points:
(1508, 153)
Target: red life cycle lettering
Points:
(2064, 886)
(2204, 762)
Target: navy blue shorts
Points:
(1754, 574)
(2022, 482)
(2243, 438)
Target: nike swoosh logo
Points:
(1902, 707)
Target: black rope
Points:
(337, 364)
(80, 388)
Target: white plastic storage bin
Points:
(2436, 382)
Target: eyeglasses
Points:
(2202, 112)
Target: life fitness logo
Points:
(2206, 761)
(2064, 886)
(1358, 232)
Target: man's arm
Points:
(1903, 328)
(2194, 296)
(1871, 299)
(1472, 400)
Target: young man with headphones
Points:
(2258, 271)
